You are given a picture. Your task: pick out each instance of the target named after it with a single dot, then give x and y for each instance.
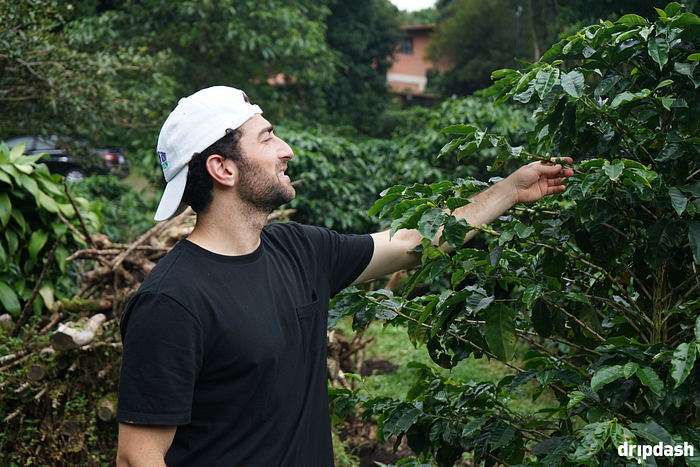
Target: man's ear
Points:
(223, 171)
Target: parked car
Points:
(62, 158)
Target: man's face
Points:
(261, 179)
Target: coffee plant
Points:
(602, 282)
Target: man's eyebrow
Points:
(267, 129)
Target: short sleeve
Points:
(342, 257)
(162, 356)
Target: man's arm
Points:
(143, 445)
(527, 184)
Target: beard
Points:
(262, 191)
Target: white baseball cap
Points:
(197, 122)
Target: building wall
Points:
(409, 72)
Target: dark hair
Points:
(199, 183)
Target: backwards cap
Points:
(197, 122)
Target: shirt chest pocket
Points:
(313, 322)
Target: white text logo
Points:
(657, 450)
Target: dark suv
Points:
(61, 160)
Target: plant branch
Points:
(28, 305)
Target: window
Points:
(407, 46)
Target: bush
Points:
(601, 282)
(39, 229)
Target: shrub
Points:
(602, 282)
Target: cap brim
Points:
(171, 203)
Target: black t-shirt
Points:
(231, 349)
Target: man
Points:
(223, 344)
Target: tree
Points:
(601, 283)
(227, 42)
(477, 42)
(51, 84)
(365, 36)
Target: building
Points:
(408, 76)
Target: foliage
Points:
(225, 42)
(364, 34)
(418, 17)
(601, 282)
(31, 204)
(490, 42)
(58, 81)
(335, 190)
(124, 213)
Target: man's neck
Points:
(235, 232)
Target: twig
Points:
(28, 306)
(72, 227)
(153, 231)
(54, 320)
(88, 237)
(551, 354)
(12, 356)
(578, 321)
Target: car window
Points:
(12, 142)
(45, 144)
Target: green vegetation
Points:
(600, 282)
(563, 330)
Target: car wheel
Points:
(75, 174)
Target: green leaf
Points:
(460, 129)
(624, 98)
(670, 152)
(532, 293)
(697, 329)
(652, 432)
(36, 243)
(613, 170)
(604, 376)
(523, 230)
(500, 435)
(629, 369)
(455, 231)
(430, 222)
(407, 419)
(658, 50)
(663, 237)
(573, 83)
(499, 332)
(47, 202)
(678, 200)
(672, 9)
(632, 20)
(682, 362)
(5, 209)
(684, 20)
(650, 379)
(46, 292)
(472, 426)
(620, 435)
(9, 300)
(545, 80)
(574, 398)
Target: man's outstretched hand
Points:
(536, 180)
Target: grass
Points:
(392, 344)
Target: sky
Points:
(413, 5)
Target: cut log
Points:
(36, 373)
(107, 407)
(71, 336)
